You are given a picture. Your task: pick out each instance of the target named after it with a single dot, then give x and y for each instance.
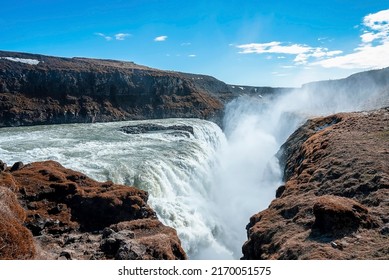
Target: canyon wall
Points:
(37, 89)
(335, 201)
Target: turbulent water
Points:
(173, 168)
(207, 185)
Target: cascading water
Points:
(174, 168)
(206, 186)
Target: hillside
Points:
(37, 89)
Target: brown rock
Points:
(143, 239)
(335, 200)
(340, 216)
(67, 213)
(17, 165)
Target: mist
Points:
(248, 172)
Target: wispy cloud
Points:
(160, 38)
(373, 51)
(363, 58)
(186, 44)
(121, 36)
(272, 47)
(118, 36)
(302, 52)
(108, 38)
(192, 55)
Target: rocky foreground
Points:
(335, 201)
(50, 212)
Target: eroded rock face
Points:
(66, 215)
(63, 90)
(335, 201)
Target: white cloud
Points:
(303, 52)
(192, 55)
(186, 44)
(377, 21)
(108, 38)
(272, 47)
(373, 52)
(377, 28)
(121, 36)
(363, 58)
(118, 36)
(160, 38)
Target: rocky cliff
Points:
(335, 201)
(37, 89)
(50, 212)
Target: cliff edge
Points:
(38, 89)
(335, 201)
(50, 212)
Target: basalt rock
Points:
(151, 127)
(37, 89)
(63, 214)
(335, 201)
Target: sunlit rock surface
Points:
(63, 214)
(335, 201)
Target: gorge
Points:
(206, 184)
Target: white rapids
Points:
(173, 168)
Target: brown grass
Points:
(16, 241)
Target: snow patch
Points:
(22, 60)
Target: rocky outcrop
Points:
(335, 201)
(37, 89)
(152, 127)
(260, 92)
(62, 214)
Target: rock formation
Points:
(151, 127)
(37, 89)
(335, 201)
(50, 212)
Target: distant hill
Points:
(373, 82)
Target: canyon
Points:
(332, 205)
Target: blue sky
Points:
(264, 43)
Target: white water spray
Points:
(249, 173)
